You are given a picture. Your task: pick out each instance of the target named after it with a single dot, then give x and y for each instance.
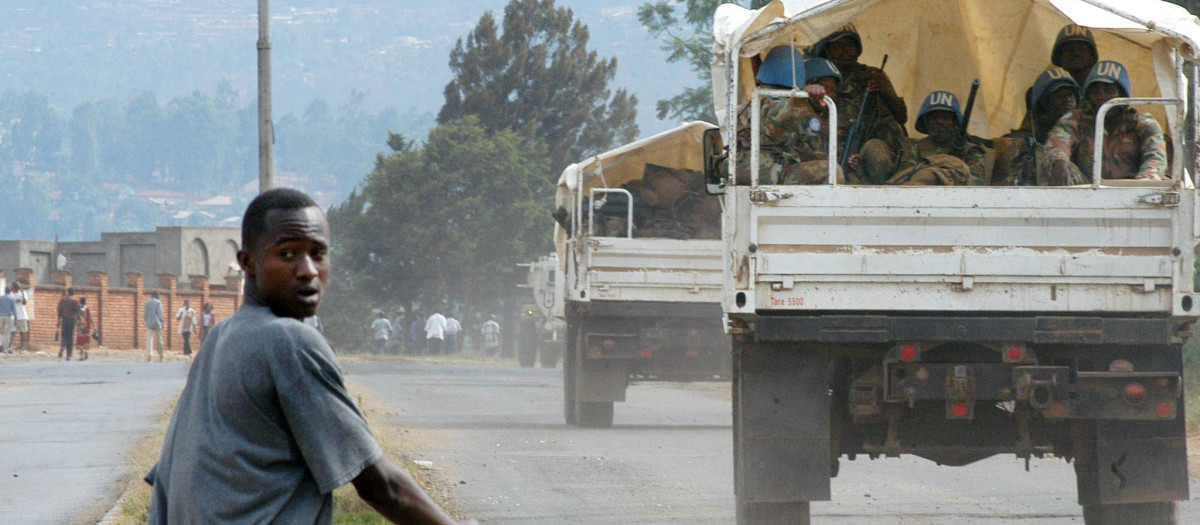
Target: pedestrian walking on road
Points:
(68, 316)
(24, 308)
(152, 313)
(381, 328)
(280, 462)
(83, 329)
(8, 317)
(187, 324)
(453, 331)
(435, 332)
(490, 333)
(207, 320)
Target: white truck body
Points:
(1116, 246)
(625, 268)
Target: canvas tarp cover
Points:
(944, 44)
(680, 147)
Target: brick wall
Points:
(117, 311)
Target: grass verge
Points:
(133, 506)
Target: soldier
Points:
(1021, 154)
(1075, 51)
(883, 130)
(943, 157)
(1134, 144)
(792, 144)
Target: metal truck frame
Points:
(957, 323)
(638, 308)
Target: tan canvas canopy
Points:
(680, 147)
(944, 44)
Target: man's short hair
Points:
(70, 291)
(154, 294)
(254, 222)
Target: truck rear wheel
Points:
(788, 513)
(569, 359)
(1155, 513)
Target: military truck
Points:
(960, 322)
(639, 241)
(542, 325)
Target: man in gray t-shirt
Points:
(265, 430)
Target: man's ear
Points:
(246, 262)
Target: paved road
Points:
(497, 433)
(66, 429)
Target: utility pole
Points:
(266, 126)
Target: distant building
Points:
(178, 250)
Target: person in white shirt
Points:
(435, 333)
(24, 309)
(381, 328)
(187, 324)
(453, 329)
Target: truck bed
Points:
(660, 270)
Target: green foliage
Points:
(688, 40)
(442, 224)
(537, 77)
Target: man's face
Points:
(842, 50)
(941, 125)
(1076, 56)
(290, 265)
(1060, 102)
(1101, 92)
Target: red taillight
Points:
(1163, 409)
(959, 409)
(1135, 394)
(1056, 409)
(646, 352)
(908, 352)
(692, 352)
(1016, 353)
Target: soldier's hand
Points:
(816, 92)
(854, 162)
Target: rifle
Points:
(854, 138)
(960, 140)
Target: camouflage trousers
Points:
(934, 170)
(1021, 163)
(777, 171)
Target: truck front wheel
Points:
(569, 377)
(596, 415)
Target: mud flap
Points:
(1136, 462)
(602, 380)
(783, 425)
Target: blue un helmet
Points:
(938, 101)
(1051, 80)
(1108, 71)
(1072, 33)
(821, 48)
(820, 68)
(784, 66)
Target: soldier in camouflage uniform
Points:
(793, 142)
(883, 133)
(944, 157)
(1021, 155)
(1134, 144)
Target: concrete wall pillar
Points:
(135, 281)
(61, 278)
(169, 283)
(99, 279)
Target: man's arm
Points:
(1153, 149)
(391, 491)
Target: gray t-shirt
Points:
(264, 430)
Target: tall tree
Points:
(689, 40)
(537, 77)
(459, 213)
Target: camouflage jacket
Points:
(881, 123)
(974, 155)
(1134, 147)
(791, 134)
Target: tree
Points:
(689, 40)
(459, 213)
(538, 78)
